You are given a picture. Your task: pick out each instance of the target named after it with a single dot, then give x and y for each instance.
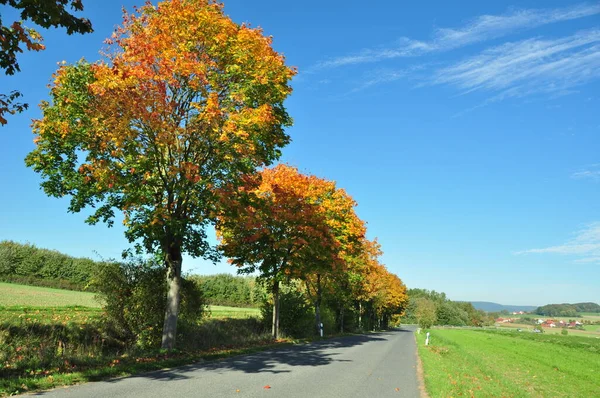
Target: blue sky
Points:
(468, 135)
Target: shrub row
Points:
(28, 264)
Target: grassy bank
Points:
(42, 348)
(509, 364)
(125, 365)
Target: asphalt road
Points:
(374, 365)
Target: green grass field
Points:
(481, 363)
(12, 295)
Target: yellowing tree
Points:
(188, 102)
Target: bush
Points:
(222, 333)
(296, 316)
(135, 293)
(564, 332)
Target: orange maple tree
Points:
(280, 227)
(186, 103)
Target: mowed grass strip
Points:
(32, 296)
(509, 364)
(219, 311)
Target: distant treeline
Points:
(28, 264)
(428, 307)
(567, 310)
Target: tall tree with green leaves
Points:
(425, 312)
(16, 37)
(187, 103)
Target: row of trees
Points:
(428, 308)
(171, 130)
(292, 226)
(567, 310)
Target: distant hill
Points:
(495, 307)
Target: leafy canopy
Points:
(186, 103)
(281, 225)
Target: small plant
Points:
(564, 332)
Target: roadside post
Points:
(427, 339)
(321, 329)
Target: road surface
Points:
(374, 365)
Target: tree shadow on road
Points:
(319, 353)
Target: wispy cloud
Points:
(592, 173)
(527, 67)
(482, 28)
(585, 244)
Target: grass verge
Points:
(509, 364)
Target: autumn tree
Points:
(391, 299)
(277, 229)
(186, 103)
(347, 231)
(364, 276)
(16, 37)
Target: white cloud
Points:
(528, 67)
(592, 173)
(585, 244)
(482, 28)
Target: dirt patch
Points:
(420, 374)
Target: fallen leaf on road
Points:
(267, 387)
(397, 389)
(237, 390)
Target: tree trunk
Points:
(342, 319)
(275, 329)
(318, 305)
(173, 263)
